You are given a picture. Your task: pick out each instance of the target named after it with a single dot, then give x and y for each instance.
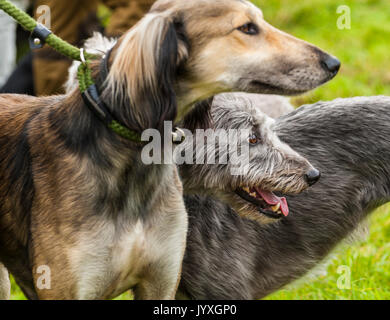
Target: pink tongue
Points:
(273, 200)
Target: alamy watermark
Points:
(44, 278)
(345, 20)
(44, 15)
(215, 147)
(344, 281)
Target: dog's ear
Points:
(144, 69)
(172, 55)
(199, 117)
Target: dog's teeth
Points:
(246, 189)
(253, 195)
(276, 208)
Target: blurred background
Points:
(364, 52)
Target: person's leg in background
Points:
(8, 42)
(21, 79)
(68, 18)
(73, 21)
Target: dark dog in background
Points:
(228, 257)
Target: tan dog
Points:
(78, 205)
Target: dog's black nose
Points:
(331, 64)
(313, 176)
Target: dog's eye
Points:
(254, 140)
(249, 28)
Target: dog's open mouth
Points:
(266, 202)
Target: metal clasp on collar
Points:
(82, 56)
(178, 136)
(38, 37)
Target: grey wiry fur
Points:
(232, 258)
(273, 165)
(276, 106)
(272, 105)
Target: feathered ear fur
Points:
(142, 76)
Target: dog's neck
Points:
(189, 96)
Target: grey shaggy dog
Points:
(232, 258)
(272, 165)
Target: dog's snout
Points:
(331, 64)
(312, 176)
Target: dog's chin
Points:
(248, 210)
(253, 213)
(260, 87)
(263, 87)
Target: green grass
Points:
(364, 52)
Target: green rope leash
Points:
(84, 77)
(84, 74)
